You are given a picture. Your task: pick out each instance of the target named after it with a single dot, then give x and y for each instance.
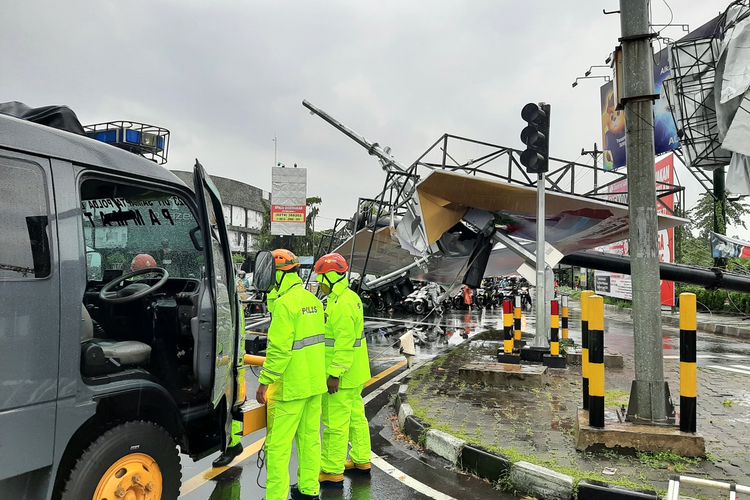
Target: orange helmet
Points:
(285, 260)
(142, 261)
(331, 262)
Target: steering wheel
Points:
(132, 291)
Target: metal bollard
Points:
(688, 365)
(507, 326)
(554, 331)
(517, 329)
(596, 360)
(507, 355)
(585, 346)
(564, 320)
(553, 359)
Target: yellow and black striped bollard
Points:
(585, 346)
(596, 360)
(517, 328)
(688, 365)
(507, 355)
(553, 359)
(564, 321)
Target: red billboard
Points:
(618, 285)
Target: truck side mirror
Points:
(265, 271)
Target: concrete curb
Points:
(540, 481)
(599, 491)
(444, 445)
(523, 476)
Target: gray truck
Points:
(107, 369)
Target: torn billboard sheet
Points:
(572, 224)
(724, 247)
(288, 198)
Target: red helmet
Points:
(331, 262)
(285, 260)
(142, 261)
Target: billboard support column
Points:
(649, 393)
(720, 210)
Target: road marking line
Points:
(408, 480)
(704, 356)
(726, 368)
(385, 373)
(394, 380)
(202, 478)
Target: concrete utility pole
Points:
(649, 392)
(595, 154)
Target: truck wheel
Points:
(132, 460)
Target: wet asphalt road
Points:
(433, 336)
(728, 355)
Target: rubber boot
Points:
(226, 458)
(298, 495)
(331, 479)
(350, 466)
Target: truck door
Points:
(29, 314)
(218, 304)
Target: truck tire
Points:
(135, 457)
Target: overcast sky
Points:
(225, 77)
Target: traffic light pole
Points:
(540, 338)
(649, 395)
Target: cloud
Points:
(226, 77)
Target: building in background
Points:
(244, 206)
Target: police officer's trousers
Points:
(289, 420)
(345, 421)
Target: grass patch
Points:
(667, 460)
(517, 456)
(727, 403)
(616, 398)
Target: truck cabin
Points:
(144, 272)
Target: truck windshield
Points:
(122, 221)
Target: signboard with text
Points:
(288, 197)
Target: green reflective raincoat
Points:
(295, 357)
(346, 346)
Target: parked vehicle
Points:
(123, 364)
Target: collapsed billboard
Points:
(619, 285)
(288, 197)
(613, 121)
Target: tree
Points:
(702, 214)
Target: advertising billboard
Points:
(613, 121)
(288, 197)
(619, 285)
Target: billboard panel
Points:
(288, 196)
(619, 285)
(613, 121)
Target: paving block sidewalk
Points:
(536, 425)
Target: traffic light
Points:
(536, 137)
